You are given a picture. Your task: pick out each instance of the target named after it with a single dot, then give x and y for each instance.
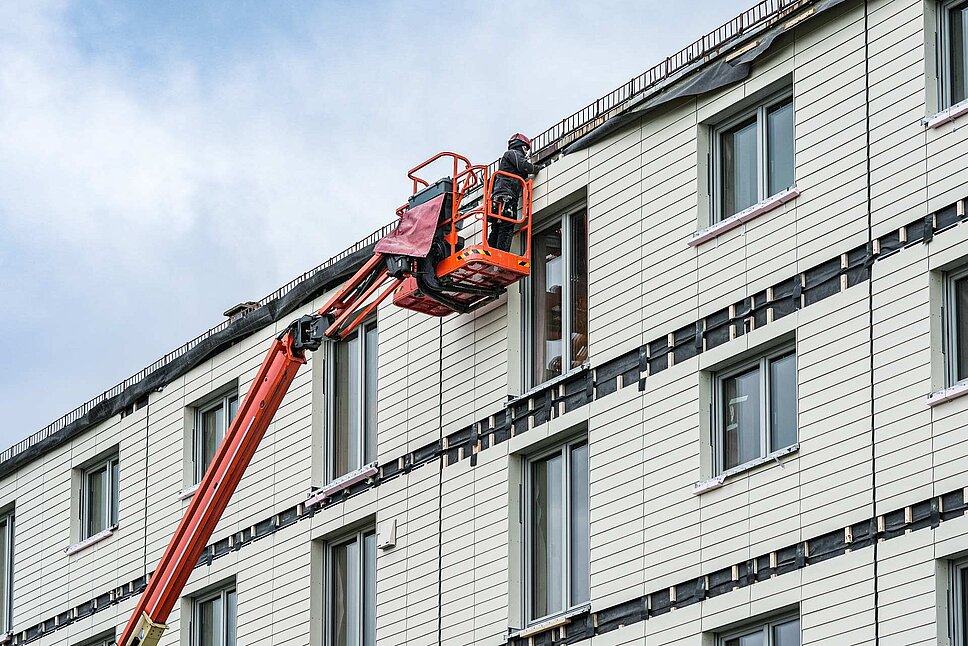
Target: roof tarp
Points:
(415, 231)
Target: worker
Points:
(507, 191)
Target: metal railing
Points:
(545, 145)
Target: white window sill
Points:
(733, 221)
(188, 492)
(88, 542)
(960, 389)
(947, 116)
(552, 622)
(717, 482)
(342, 482)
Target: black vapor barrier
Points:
(136, 394)
(583, 386)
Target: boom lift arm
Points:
(471, 279)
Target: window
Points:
(214, 618)
(783, 632)
(954, 52)
(956, 347)
(557, 299)
(756, 409)
(104, 639)
(557, 531)
(351, 590)
(211, 422)
(99, 496)
(753, 156)
(352, 428)
(6, 572)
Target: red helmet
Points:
(517, 139)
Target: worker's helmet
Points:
(518, 140)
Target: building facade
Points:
(725, 409)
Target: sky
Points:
(163, 161)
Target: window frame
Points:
(946, 8)
(952, 327)
(222, 400)
(359, 537)
(6, 609)
(765, 626)
(112, 507)
(762, 363)
(332, 392)
(564, 449)
(760, 111)
(564, 217)
(219, 593)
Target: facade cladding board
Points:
(862, 77)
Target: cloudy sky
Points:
(162, 161)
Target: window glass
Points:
(115, 491)
(739, 168)
(779, 140)
(210, 622)
(5, 559)
(547, 274)
(369, 590)
(345, 445)
(547, 536)
(783, 402)
(579, 525)
(787, 634)
(371, 348)
(752, 639)
(958, 51)
(961, 325)
(97, 487)
(741, 394)
(352, 592)
(579, 290)
(231, 617)
(213, 424)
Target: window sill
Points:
(947, 116)
(744, 216)
(188, 492)
(88, 542)
(550, 623)
(343, 482)
(960, 389)
(717, 482)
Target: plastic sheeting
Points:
(415, 232)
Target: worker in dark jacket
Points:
(507, 191)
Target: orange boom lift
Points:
(450, 278)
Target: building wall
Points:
(862, 78)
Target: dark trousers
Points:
(499, 232)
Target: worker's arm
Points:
(521, 163)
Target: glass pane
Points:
(369, 590)
(783, 402)
(579, 290)
(579, 521)
(787, 634)
(231, 617)
(346, 434)
(547, 275)
(779, 142)
(738, 163)
(233, 410)
(4, 575)
(209, 441)
(741, 399)
(209, 622)
(115, 490)
(961, 325)
(547, 537)
(963, 597)
(372, 354)
(345, 594)
(97, 486)
(958, 52)
(752, 639)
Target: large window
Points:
(956, 345)
(556, 321)
(351, 591)
(215, 618)
(353, 400)
(211, 423)
(557, 535)
(954, 52)
(753, 156)
(782, 632)
(756, 409)
(6, 572)
(100, 496)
